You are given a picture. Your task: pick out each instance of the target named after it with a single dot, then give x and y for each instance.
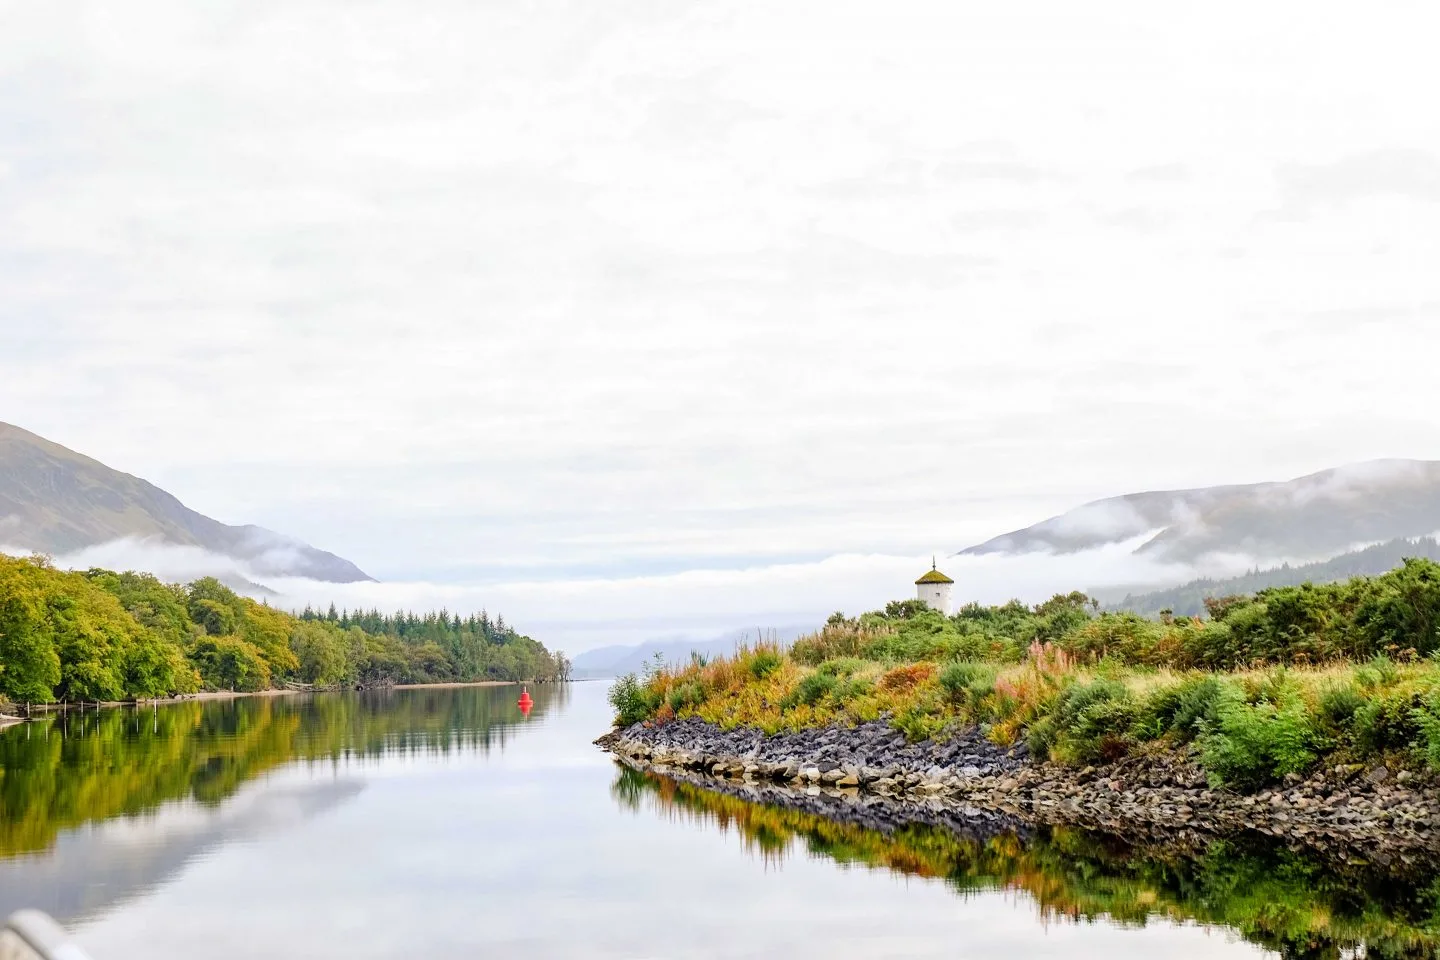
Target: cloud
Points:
(591, 611)
(1407, 173)
(540, 291)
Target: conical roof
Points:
(934, 576)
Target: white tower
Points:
(933, 589)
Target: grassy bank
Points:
(1266, 686)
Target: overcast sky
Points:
(476, 292)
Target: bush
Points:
(764, 662)
(1427, 718)
(1379, 672)
(1387, 721)
(810, 691)
(918, 723)
(907, 677)
(1250, 744)
(842, 666)
(632, 700)
(1089, 721)
(685, 695)
(1182, 710)
(967, 683)
(1339, 704)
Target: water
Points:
(440, 823)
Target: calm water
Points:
(440, 823)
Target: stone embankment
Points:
(1342, 808)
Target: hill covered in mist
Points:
(1188, 599)
(56, 501)
(1310, 517)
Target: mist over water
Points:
(578, 613)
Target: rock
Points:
(1378, 775)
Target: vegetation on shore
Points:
(102, 635)
(1285, 901)
(1269, 685)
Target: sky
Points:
(541, 302)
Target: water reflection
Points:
(97, 807)
(1279, 899)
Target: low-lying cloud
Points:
(585, 612)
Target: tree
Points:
(29, 663)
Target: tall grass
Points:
(1273, 686)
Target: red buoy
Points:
(525, 702)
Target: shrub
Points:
(907, 677)
(1379, 672)
(1339, 704)
(632, 700)
(842, 666)
(845, 639)
(1250, 744)
(764, 662)
(811, 690)
(685, 695)
(1186, 709)
(917, 724)
(853, 689)
(1387, 721)
(1427, 718)
(1089, 721)
(967, 683)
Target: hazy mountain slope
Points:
(1312, 516)
(54, 500)
(1188, 599)
(616, 660)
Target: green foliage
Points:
(842, 666)
(684, 696)
(1250, 744)
(1388, 721)
(1088, 722)
(632, 700)
(1427, 719)
(29, 663)
(967, 683)
(1339, 704)
(229, 663)
(101, 635)
(1192, 599)
(1182, 710)
(811, 690)
(764, 662)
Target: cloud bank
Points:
(587, 612)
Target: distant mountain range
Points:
(56, 501)
(618, 660)
(1310, 517)
(1188, 599)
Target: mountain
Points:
(618, 660)
(1188, 599)
(1314, 516)
(56, 501)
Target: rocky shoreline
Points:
(1347, 810)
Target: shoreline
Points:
(1350, 810)
(61, 706)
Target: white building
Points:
(933, 590)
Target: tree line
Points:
(1188, 599)
(103, 635)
